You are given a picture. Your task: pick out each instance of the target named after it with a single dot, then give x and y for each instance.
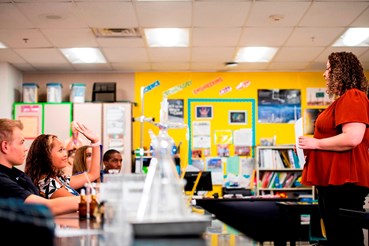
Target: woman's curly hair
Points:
(38, 163)
(346, 72)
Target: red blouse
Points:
(324, 167)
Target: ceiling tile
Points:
(164, 14)
(69, 38)
(23, 38)
(297, 54)
(52, 14)
(333, 14)
(8, 55)
(117, 55)
(108, 14)
(213, 54)
(121, 42)
(169, 54)
(11, 17)
(265, 36)
(220, 14)
(314, 36)
(211, 37)
(286, 14)
(42, 56)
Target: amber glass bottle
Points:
(82, 206)
(93, 204)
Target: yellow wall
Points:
(259, 80)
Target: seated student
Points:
(46, 159)
(82, 159)
(112, 160)
(16, 184)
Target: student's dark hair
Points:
(345, 72)
(38, 163)
(108, 153)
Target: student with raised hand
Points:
(337, 157)
(46, 159)
(82, 159)
(16, 184)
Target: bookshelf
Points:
(278, 170)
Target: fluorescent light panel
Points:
(255, 54)
(356, 36)
(167, 37)
(84, 55)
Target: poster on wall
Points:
(279, 106)
(311, 114)
(204, 112)
(176, 111)
(317, 97)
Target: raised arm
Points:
(79, 180)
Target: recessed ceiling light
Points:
(167, 37)
(356, 36)
(255, 54)
(84, 55)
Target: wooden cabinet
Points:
(278, 171)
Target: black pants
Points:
(341, 230)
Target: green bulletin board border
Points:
(42, 104)
(207, 100)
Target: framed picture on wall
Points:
(204, 112)
(237, 117)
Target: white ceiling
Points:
(34, 30)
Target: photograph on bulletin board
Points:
(204, 112)
(176, 110)
(237, 117)
(279, 106)
(311, 114)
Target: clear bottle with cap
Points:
(82, 206)
(93, 204)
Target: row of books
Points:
(278, 179)
(278, 159)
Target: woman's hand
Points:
(90, 135)
(308, 143)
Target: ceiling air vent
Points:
(117, 32)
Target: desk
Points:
(74, 232)
(261, 219)
(292, 211)
(360, 217)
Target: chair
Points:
(33, 223)
(316, 230)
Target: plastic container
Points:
(30, 93)
(54, 92)
(77, 93)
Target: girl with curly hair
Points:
(46, 159)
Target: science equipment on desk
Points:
(162, 210)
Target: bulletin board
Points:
(220, 117)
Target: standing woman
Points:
(46, 159)
(337, 157)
